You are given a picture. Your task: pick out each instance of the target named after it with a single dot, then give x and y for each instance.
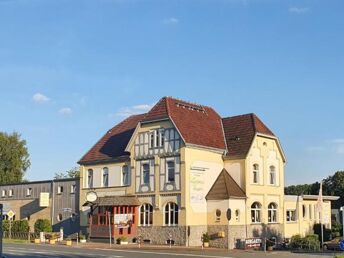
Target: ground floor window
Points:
(272, 213)
(291, 215)
(146, 215)
(256, 212)
(171, 214)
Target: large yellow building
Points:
(181, 170)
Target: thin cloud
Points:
(171, 21)
(65, 111)
(133, 110)
(40, 98)
(298, 10)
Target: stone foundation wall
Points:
(236, 233)
(159, 235)
(218, 241)
(196, 232)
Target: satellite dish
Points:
(91, 196)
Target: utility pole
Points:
(1, 233)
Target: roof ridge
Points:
(253, 122)
(247, 114)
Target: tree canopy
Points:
(332, 185)
(14, 158)
(72, 173)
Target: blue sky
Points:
(69, 70)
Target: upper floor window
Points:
(146, 215)
(145, 173)
(3, 193)
(156, 138)
(59, 189)
(171, 171)
(171, 214)
(256, 212)
(90, 178)
(272, 213)
(105, 174)
(10, 192)
(255, 174)
(125, 175)
(291, 215)
(72, 189)
(272, 175)
(28, 191)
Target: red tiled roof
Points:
(240, 131)
(225, 188)
(112, 145)
(197, 124)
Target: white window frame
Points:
(256, 213)
(272, 213)
(3, 193)
(272, 175)
(10, 192)
(255, 171)
(59, 189)
(28, 191)
(105, 177)
(143, 173)
(72, 189)
(290, 214)
(171, 212)
(156, 138)
(146, 215)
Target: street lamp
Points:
(342, 210)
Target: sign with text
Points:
(44, 200)
(122, 220)
(253, 242)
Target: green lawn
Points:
(14, 241)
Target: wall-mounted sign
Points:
(44, 199)
(122, 220)
(91, 196)
(253, 242)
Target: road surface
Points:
(47, 251)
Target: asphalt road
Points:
(46, 251)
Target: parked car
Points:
(332, 244)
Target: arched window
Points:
(272, 175)
(256, 210)
(255, 174)
(171, 214)
(218, 215)
(170, 171)
(105, 173)
(125, 175)
(90, 178)
(272, 213)
(146, 215)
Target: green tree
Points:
(42, 225)
(72, 173)
(14, 158)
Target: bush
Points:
(121, 239)
(310, 242)
(5, 225)
(82, 237)
(42, 225)
(20, 226)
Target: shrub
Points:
(42, 225)
(5, 225)
(206, 237)
(296, 241)
(121, 239)
(20, 226)
(82, 237)
(310, 242)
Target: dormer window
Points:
(156, 138)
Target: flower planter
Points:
(82, 241)
(37, 241)
(52, 241)
(69, 242)
(205, 244)
(270, 248)
(123, 242)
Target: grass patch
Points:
(339, 256)
(14, 241)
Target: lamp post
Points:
(342, 210)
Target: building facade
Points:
(181, 170)
(55, 200)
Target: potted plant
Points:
(68, 241)
(123, 240)
(205, 239)
(269, 245)
(82, 238)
